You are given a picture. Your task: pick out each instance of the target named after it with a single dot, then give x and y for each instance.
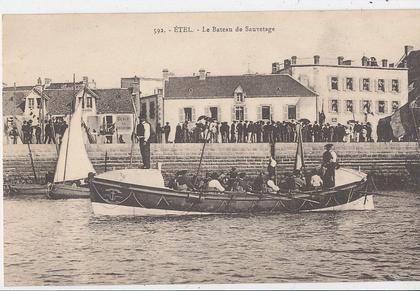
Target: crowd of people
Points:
(235, 181)
(32, 133)
(266, 131)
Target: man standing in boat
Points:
(143, 134)
(329, 164)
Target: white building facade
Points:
(348, 92)
(235, 98)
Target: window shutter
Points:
(399, 85)
(344, 84)
(207, 111)
(376, 107)
(338, 84)
(193, 115)
(259, 112)
(338, 106)
(361, 106)
(329, 83)
(375, 84)
(271, 112)
(329, 106)
(245, 113)
(370, 84)
(361, 84)
(219, 114)
(233, 113)
(285, 112)
(386, 107)
(297, 111)
(181, 115)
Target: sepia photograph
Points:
(241, 147)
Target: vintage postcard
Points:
(211, 148)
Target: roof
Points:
(14, 103)
(59, 101)
(114, 101)
(279, 85)
(65, 85)
(18, 88)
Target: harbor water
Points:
(61, 243)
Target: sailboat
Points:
(142, 192)
(73, 164)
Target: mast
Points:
(299, 160)
(21, 137)
(68, 135)
(133, 136)
(43, 114)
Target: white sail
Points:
(73, 161)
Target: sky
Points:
(106, 47)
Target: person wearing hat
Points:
(143, 134)
(329, 163)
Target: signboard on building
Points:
(124, 123)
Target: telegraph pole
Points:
(42, 113)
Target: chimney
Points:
(384, 63)
(39, 81)
(275, 68)
(340, 60)
(391, 65)
(286, 63)
(373, 62)
(165, 74)
(294, 58)
(364, 61)
(202, 74)
(85, 80)
(47, 82)
(408, 49)
(316, 60)
(347, 63)
(92, 84)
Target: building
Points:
(411, 60)
(240, 97)
(107, 113)
(349, 91)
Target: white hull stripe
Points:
(121, 210)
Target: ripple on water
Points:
(59, 242)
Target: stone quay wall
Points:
(387, 161)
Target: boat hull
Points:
(28, 189)
(64, 191)
(119, 198)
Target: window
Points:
(214, 112)
(381, 106)
(349, 83)
(291, 112)
(334, 105)
(239, 113)
(334, 83)
(188, 114)
(38, 103)
(395, 105)
(395, 85)
(381, 85)
(266, 112)
(240, 97)
(89, 102)
(366, 84)
(31, 103)
(143, 110)
(349, 105)
(152, 110)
